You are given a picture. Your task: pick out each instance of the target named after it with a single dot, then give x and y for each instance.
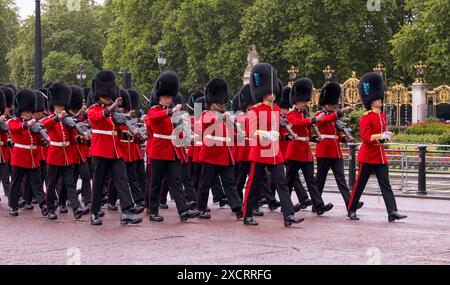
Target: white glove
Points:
(273, 136)
(387, 136)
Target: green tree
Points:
(61, 66)
(9, 28)
(73, 32)
(426, 38)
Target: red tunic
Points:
(329, 147)
(131, 150)
(161, 145)
(216, 140)
(25, 152)
(263, 119)
(299, 150)
(371, 126)
(5, 151)
(63, 145)
(105, 138)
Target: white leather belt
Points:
(102, 132)
(333, 137)
(164, 137)
(61, 144)
(198, 143)
(303, 139)
(24, 146)
(220, 139)
(2, 143)
(125, 141)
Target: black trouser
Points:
(103, 166)
(266, 190)
(67, 173)
(5, 170)
(34, 176)
(257, 171)
(226, 173)
(164, 191)
(82, 170)
(133, 180)
(188, 184)
(141, 175)
(44, 172)
(337, 166)
(216, 187)
(173, 170)
(298, 188)
(382, 173)
(244, 170)
(308, 173)
(148, 186)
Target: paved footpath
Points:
(423, 238)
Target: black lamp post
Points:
(161, 59)
(38, 47)
(81, 74)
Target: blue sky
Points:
(26, 7)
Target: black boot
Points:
(325, 208)
(352, 216)
(238, 212)
(44, 211)
(189, 214)
(137, 209)
(101, 213)
(274, 205)
(128, 217)
(112, 207)
(192, 205)
(395, 216)
(258, 213)
(52, 216)
(22, 203)
(95, 219)
(204, 216)
(13, 212)
(164, 206)
(223, 202)
(79, 212)
(28, 207)
(156, 218)
(249, 221)
(63, 209)
(292, 219)
(302, 205)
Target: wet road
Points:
(423, 238)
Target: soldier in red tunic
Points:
(62, 156)
(299, 155)
(371, 155)
(215, 153)
(5, 168)
(25, 158)
(328, 150)
(165, 155)
(264, 123)
(107, 157)
(81, 170)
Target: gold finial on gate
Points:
(328, 72)
(293, 72)
(420, 72)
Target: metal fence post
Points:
(422, 188)
(352, 165)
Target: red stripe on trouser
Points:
(354, 188)
(249, 187)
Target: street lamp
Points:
(328, 72)
(38, 47)
(292, 75)
(81, 74)
(161, 59)
(420, 69)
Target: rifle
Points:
(342, 127)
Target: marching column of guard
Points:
(247, 156)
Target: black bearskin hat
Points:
(191, 101)
(216, 92)
(9, 95)
(283, 101)
(126, 100)
(2, 102)
(167, 84)
(76, 101)
(245, 97)
(86, 91)
(135, 98)
(235, 103)
(59, 94)
(263, 81)
(25, 100)
(371, 88)
(301, 90)
(330, 94)
(41, 102)
(179, 99)
(104, 85)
